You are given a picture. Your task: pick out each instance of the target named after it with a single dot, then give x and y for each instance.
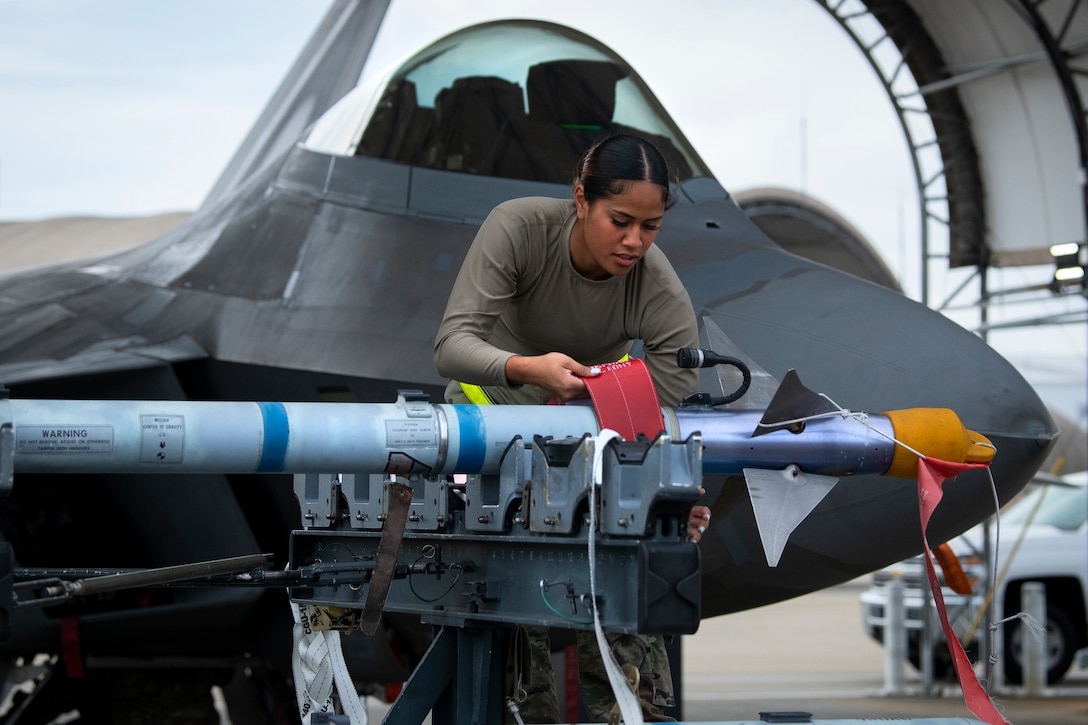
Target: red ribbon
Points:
(931, 474)
(625, 400)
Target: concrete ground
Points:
(811, 654)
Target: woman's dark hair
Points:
(609, 165)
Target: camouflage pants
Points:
(530, 680)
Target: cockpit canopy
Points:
(517, 99)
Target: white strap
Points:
(318, 664)
(625, 696)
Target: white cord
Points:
(862, 418)
(625, 696)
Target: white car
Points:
(1053, 550)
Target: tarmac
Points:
(811, 655)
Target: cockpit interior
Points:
(518, 100)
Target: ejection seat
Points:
(400, 129)
(570, 107)
(468, 116)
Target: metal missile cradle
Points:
(511, 547)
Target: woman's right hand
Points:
(559, 374)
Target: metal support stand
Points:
(895, 639)
(458, 682)
(1033, 647)
(506, 550)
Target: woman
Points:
(549, 289)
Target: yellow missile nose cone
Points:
(935, 433)
(981, 449)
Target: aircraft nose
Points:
(869, 349)
(898, 355)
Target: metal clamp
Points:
(644, 480)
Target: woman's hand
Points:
(698, 521)
(559, 374)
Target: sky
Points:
(133, 107)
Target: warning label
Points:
(162, 438)
(411, 434)
(70, 439)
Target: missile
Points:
(414, 436)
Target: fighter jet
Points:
(318, 269)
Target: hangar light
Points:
(1068, 270)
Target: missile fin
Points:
(792, 401)
(781, 500)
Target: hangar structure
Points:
(992, 96)
(808, 228)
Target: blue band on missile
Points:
(276, 434)
(473, 449)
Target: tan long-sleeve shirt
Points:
(519, 294)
